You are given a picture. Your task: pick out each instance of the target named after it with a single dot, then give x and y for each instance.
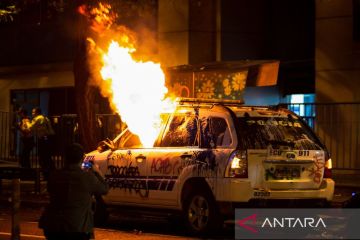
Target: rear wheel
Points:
(201, 214)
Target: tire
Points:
(201, 214)
(101, 214)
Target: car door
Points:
(177, 144)
(218, 141)
(126, 173)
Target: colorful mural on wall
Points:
(220, 85)
(222, 81)
(209, 84)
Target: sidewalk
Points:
(350, 180)
(28, 195)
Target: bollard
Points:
(15, 218)
(37, 181)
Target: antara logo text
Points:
(290, 222)
(284, 222)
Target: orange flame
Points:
(138, 91)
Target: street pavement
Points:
(118, 227)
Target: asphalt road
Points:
(118, 227)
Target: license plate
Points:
(287, 172)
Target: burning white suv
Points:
(212, 156)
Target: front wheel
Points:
(201, 213)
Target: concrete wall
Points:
(32, 81)
(187, 31)
(173, 32)
(338, 80)
(337, 54)
(202, 39)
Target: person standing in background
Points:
(26, 138)
(41, 128)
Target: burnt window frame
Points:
(161, 143)
(210, 120)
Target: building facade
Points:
(337, 51)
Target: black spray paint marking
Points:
(125, 177)
(123, 171)
(137, 186)
(202, 163)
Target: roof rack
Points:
(208, 101)
(279, 106)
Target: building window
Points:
(52, 101)
(303, 105)
(356, 20)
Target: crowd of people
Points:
(36, 132)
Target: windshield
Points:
(260, 132)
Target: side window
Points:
(215, 132)
(221, 132)
(181, 132)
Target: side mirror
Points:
(105, 145)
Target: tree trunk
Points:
(84, 92)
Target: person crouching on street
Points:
(69, 214)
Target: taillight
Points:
(237, 165)
(328, 166)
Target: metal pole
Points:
(37, 181)
(15, 218)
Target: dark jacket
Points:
(70, 207)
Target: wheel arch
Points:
(192, 184)
(193, 189)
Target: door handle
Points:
(140, 158)
(186, 155)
